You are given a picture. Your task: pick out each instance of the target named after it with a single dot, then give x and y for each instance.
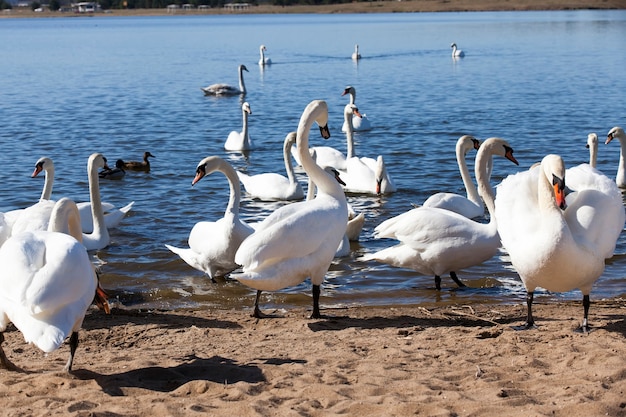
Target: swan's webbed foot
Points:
(456, 279)
(73, 346)
(4, 361)
(257, 312)
(530, 321)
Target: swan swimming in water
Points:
(470, 206)
(47, 283)
(240, 141)
(264, 60)
(556, 242)
(299, 240)
(271, 186)
(356, 55)
(435, 241)
(212, 245)
(456, 53)
(226, 89)
(618, 133)
(359, 124)
(112, 217)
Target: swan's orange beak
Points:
(200, 172)
(378, 185)
(559, 192)
(101, 300)
(508, 154)
(609, 138)
(38, 169)
(325, 131)
(357, 114)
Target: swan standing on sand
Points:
(434, 241)
(47, 283)
(143, 165)
(362, 174)
(456, 53)
(271, 186)
(618, 133)
(299, 240)
(360, 123)
(225, 89)
(592, 145)
(356, 55)
(264, 60)
(112, 217)
(212, 245)
(470, 206)
(555, 242)
(240, 141)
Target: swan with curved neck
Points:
(212, 245)
(362, 174)
(222, 89)
(240, 141)
(299, 240)
(435, 241)
(470, 206)
(618, 133)
(556, 242)
(264, 60)
(47, 283)
(99, 238)
(113, 216)
(359, 124)
(592, 145)
(271, 186)
(456, 53)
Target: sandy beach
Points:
(402, 361)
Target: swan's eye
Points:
(558, 182)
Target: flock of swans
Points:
(558, 225)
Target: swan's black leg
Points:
(4, 361)
(456, 279)
(316, 303)
(437, 282)
(586, 304)
(73, 346)
(257, 312)
(530, 321)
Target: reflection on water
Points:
(530, 77)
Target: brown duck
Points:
(140, 165)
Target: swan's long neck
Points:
(242, 85)
(262, 55)
(349, 134)
(244, 131)
(46, 193)
(99, 227)
(234, 186)
(352, 93)
(620, 178)
(482, 171)
(472, 192)
(325, 184)
(65, 218)
(287, 158)
(593, 153)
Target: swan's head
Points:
(243, 68)
(453, 45)
(350, 111)
(334, 173)
(319, 108)
(592, 141)
(348, 90)
(44, 163)
(263, 48)
(207, 166)
(467, 143)
(615, 133)
(554, 170)
(97, 160)
(380, 173)
(246, 107)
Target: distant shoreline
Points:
(385, 6)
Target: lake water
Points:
(121, 86)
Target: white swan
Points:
(271, 186)
(112, 217)
(226, 89)
(362, 174)
(360, 123)
(592, 145)
(618, 133)
(356, 55)
(240, 141)
(299, 240)
(470, 206)
(47, 283)
(212, 245)
(264, 60)
(434, 241)
(99, 238)
(555, 247)
(456, 53)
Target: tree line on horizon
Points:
(56, 5)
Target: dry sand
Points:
(402, 361)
